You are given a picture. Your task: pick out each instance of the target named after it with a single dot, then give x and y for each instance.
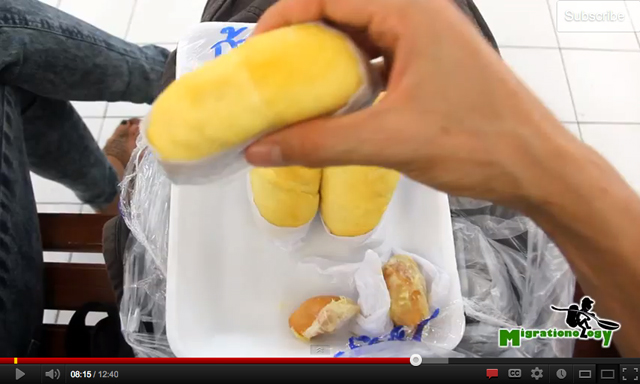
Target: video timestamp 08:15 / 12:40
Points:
(99, 374)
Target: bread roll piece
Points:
(354, 198)
(270, 81)
(321, 315)
(407, 289)
(287, 196)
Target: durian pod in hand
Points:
(407, 290)
(286, 197)
(199, 126)
(321, 315)
(355, 198)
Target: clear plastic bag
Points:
(510, 272)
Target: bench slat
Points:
(69, 232)
(68, 286)
(53, 340)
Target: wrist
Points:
(540, 159)
(566, 183)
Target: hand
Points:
(454, 116)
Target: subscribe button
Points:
(598, 16)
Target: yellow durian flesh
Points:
(272, 80)
(321, 315)
(354, 198)
(287, 196)
(407, 290)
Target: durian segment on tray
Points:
(322, 315)
(287, 196)
(272, 80)
(407, 289)
(354, 198)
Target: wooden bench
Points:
(68, 286)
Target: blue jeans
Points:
(46, 59)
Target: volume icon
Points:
(53, 374)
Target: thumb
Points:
(342, 140)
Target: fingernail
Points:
(123, 122)
(265, 155)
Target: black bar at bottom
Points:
(173, 373)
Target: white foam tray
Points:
(230, 290)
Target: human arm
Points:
(505, 147)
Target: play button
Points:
(19, 374)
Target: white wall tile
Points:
(605, 85)
(64, 317)
(519, 23)
(542, 70)
(574, 128)
(53, 3)
(619, 144)
(594, 40)
(94, 124)
(163, 21)
(170, 47)
(47, 191)
(49, 316)
(91, 319)
(633, 7)
(56, 257)
(111, 16)
(90, 108)
(127, 110)
(58, 208)
(108, 128)
(88, 258)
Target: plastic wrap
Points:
(510, 273)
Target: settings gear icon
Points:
(536, 373)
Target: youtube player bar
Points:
(26, 370)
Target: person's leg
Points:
(53, 54)
(60, 147)
(21, 294)
(56, 57)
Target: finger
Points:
(379, 18)
(350, 139)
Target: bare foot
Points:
(118, 150)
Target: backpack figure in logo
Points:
(580, 316)
(577, 319)
(232, 34)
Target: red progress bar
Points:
(240, 360)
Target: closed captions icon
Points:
(514, 373)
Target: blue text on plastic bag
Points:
(399, 333)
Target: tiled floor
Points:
(591, 81)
